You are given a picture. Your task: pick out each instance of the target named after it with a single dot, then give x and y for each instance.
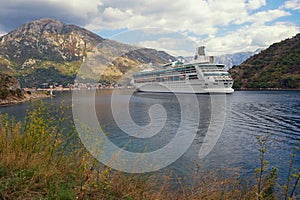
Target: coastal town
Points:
(76, 86)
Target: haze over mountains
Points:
(230, 60)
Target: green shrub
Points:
(4, 93)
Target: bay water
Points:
(248, 114)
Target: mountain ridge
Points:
(38, 38)
(48, 50)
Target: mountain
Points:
(275, 67)
(49, 51)
(47, 39)
(231, 60)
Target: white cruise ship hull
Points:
(182, 87)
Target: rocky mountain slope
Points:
(276, 67)
(49, 51)
(47, 39)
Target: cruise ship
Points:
(201, 75)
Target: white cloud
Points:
(255, 4)
(207, 18)
(200, 17)
(87, 9)
(174, 46)
(250, 38)
(247, 38)
(264, 16)
(223, 26)
(18, 12)
(293, 4)
(204, 19)
(268, 16)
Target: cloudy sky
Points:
(223, 26)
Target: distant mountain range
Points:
(48, 51)
(229, 60)
(275, 67)
(235, 59)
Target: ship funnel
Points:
(201, 51)
(200, 56)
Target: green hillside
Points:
(276, 67)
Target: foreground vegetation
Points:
(41, 160)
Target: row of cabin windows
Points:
(213, 70)
(179, 71)
(166, 78)
(216, 74)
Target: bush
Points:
(4, 93)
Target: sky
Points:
(178, 27)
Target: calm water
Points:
(248, 114)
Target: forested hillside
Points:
(276, 67)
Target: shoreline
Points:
(265, 89)
(27, 96)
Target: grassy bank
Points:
(41, 160)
